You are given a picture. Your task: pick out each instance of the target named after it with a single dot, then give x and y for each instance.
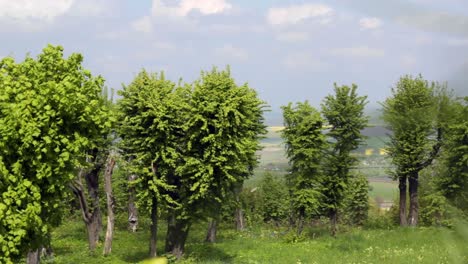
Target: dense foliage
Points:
(344, 112)
(412, 113)
(194, 142)
(305, 143)
(51, 110)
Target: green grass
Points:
(269, 245)
(383, 189)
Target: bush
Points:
(356, 203)
(378, 219)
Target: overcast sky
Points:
(288, 50)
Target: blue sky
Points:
(287, 50)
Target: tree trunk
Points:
(110, 206)
(402, 206)
(93, 227)
(132, 209)
(414, 203)
(33, 256)
(240, 220)
(91, 215)
(333, 221)
(154, 228)
(239, 213)
(300, 225)
(177, 232)
(212, 229)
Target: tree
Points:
(453, 183)
(51, 110)
(356, 201)
(192, 143)
(274, 199)
(305, 143)
(344, 113)
(151, 130)
(223, 128)
(411, 113)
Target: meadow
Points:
(276, 245)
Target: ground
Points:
(276, 245)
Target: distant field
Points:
(374, 166)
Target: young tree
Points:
(411, 113)
(344, 113)
(453, 183)
(152, 137)
(356, 201)
(51, 110)
(274, 199)
(305, 143)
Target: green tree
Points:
(274, 200)
(305, 143)
(356, 201)
(51, 110)
(453, 183)
(194, 143)
(150, 126)
(344, 113)
(224, 125)
(413, 113)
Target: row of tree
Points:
(188, 147)
(321, 163)
(186, 150)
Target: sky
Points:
(288, 50)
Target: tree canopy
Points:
(51, 111)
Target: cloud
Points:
(437, 22)
(304, 61)
(370, 23)
(185, 7)
(297, 13)
(232, 52)
(143, 24)
(362, 51)
(457, 42)
(87, 8)
(24, 10)
(418, 14)
(292, 36)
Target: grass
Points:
(270, 245)
(384, 189)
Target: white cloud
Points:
(370, 23)
(304, 61)
(292, 36)
(185, 7)
(143, 24)
(232, 52)
(24, 10)
(87, 8)
(362, 51)
(297, 13)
